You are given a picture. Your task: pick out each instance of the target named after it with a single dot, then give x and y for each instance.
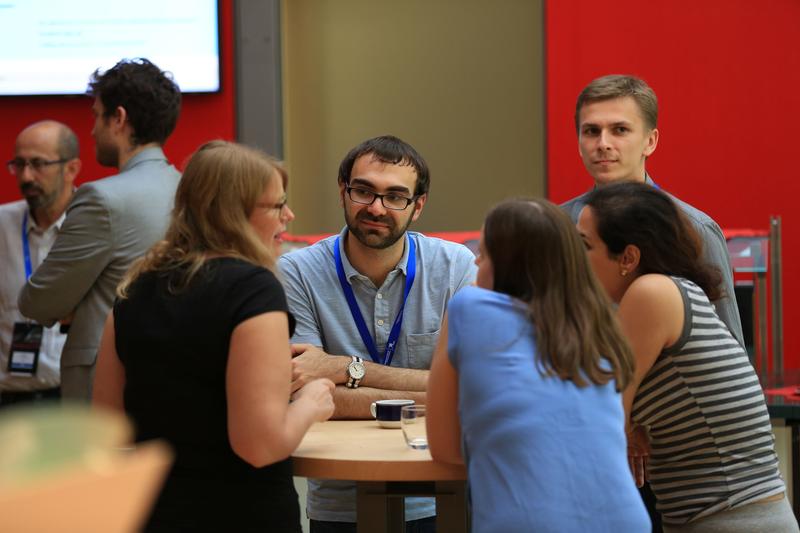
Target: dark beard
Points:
(106, 155)
(42, 199)
(370, 238)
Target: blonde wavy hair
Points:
(216, 195)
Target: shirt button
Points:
(380, 296)
(380, 322)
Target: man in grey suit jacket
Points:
(112, 221)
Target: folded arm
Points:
(380, 382)
(353, 404)
(80, 253)
(311, 362)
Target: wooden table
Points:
(385, 471)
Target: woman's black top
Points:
(174, 348)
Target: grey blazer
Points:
(109, 223)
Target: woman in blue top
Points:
(526, 381)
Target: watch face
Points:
(356, 370)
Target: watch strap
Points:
(352, 381)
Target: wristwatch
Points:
(355, 372)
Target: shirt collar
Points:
(351, 272)
(33, 227)
(647, 179)
(154, 153)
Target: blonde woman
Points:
(196, 350)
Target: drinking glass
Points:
(412, 420)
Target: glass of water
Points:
(412, 420)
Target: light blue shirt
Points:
(542, 454)
(318, 304)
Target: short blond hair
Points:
(620, 86)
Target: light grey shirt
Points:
(715, 252)
(12, 279)
(323, 317)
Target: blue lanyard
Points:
(369, 342)
(26, 247)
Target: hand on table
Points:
(638, 454)
(310, 362)
(319, 393)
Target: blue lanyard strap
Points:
(358, 318)
(26, 247)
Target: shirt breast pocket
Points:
(420, 349)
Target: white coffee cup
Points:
(387, 412)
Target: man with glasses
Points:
(369, 304)
(45, 165)
(112, 221)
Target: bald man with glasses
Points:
(45, 164)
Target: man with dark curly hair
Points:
(112, 221)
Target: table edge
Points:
(356, 470)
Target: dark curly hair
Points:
(151, 99)
(639, 214)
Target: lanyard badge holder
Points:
(358, 318)
(26, 341)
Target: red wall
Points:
(203, 117)
(727, 74)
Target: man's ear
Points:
(342, 187)
(630, 258)
(652, 142)
(119, 117)
(71, 170)
(419, 203)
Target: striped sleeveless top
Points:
(711, 439)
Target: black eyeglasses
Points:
(17, 165)
(390, 200)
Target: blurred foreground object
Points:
(63, 468)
